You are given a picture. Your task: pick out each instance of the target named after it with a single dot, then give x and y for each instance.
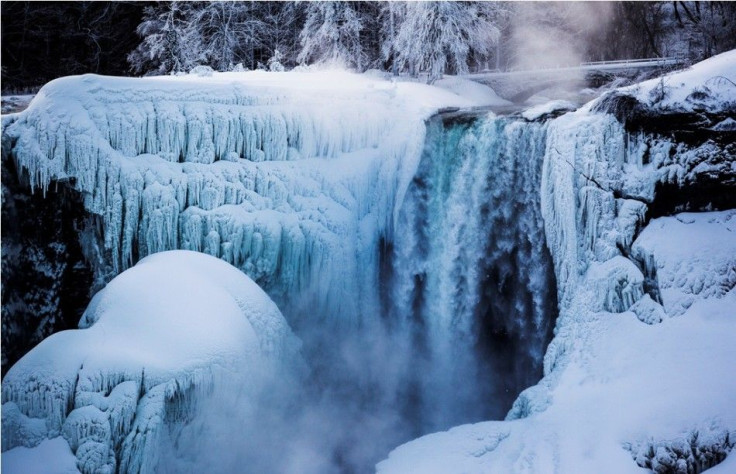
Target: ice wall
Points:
(291, 178)
(472, 279)
(603, 179)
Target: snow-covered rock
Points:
(693, 256)
(154, 342)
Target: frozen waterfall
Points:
(408, 255)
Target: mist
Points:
(461, 315)
(342, 414)
(555, 34)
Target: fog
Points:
(342, 414)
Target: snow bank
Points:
(52, 456)
(547, 109)
(695, 257)
(619, 394)
(155, 340)
(291, 177)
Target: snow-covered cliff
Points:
(291, 177)
(639, 372)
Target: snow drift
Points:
(151, 346)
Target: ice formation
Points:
(296, 179)
(154, 342)
(291, 177)
(617, 394)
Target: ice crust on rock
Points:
(275, 173)
(156, 340)
(696, 259)
(613, 386)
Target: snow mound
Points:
(695, 257)
(51, 456)
(715, 80)
(276, 173)
(708, 86)
(547, 109)
(155, 340)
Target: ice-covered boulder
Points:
(693, 256)
(153, 343)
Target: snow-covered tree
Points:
(171, 43)
(332, 34)
(230, 31)
(283, 22)
(274, 63)
(438, 37)
(180, 35)
(709, 27)
(390, 16)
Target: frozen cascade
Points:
(637, 197)
(472, 277)
(294, 192)
(601, 185)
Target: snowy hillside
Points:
(154, 343)
(640, 372)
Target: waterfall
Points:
(472, 280)
(418, 280)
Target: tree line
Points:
(44, 40)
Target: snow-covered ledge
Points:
(621, 393)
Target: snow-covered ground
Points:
(158, 338)
(630, 382)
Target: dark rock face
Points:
(709, 181)
(692, 127)
(46, 281)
